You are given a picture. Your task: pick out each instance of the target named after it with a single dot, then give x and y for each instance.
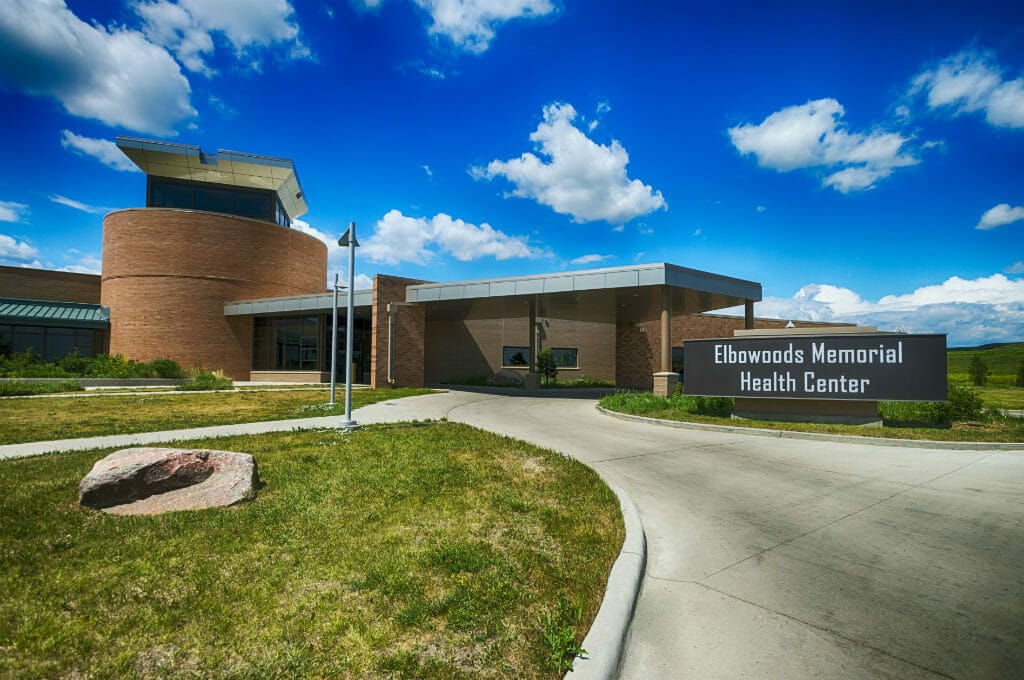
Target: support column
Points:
(748, 314)
(532, 377)
(665, 380)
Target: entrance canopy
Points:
(636, 293)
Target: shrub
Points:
(547, 366)
(28, 364)
(205, 380)
(964, 404)
(167, 368)
(978, 370)
(1019, 382)
(75, 364)
(110, 366)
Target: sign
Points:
(869, 366)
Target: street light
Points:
(349, 239)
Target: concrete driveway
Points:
(784, 558)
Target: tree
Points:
(1020, 375)
(547, 366)
(978, 370)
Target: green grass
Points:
(1001, 397)
(22, 388)
(993, 429)
(393, 552)
(577, 383)
(1003, 362)
(28, 420)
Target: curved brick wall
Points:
(167, 274)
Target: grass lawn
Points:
(416, 551)
(28, 420)
(646, 404)
(1003, 362)
(1001, 397)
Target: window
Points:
(214, 200)
(515, 356)
(677, 360)
(59, 341)
(252, 204)
(171, 195)
(6, 339)
(565, 357)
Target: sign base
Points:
(846, 412)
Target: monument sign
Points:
(863, 367)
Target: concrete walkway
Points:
(784, 558)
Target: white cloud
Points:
(589, 259)
(1015, 268)
(760, 208)
(697, 232)
(426, 169)
(1000, 215)
(812, 135)
(12, 249)
(77, 205)
(114, 75)
(11, 211)
(972, 81)
(470, 24)
(87, 264)
(188, 27)
(970, 311)
(583, 179)
(337, 257)
(398, 238)
(103, 150)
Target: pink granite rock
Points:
(149, 481)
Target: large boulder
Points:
(149, 481)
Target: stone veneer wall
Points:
(167, 274)
(410, 331)
(44, 284)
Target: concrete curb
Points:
(816, 436)
(607, 636)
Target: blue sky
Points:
(863, 162)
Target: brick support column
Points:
(748, 314)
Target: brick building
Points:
(210, 274)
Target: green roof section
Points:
(49, 313)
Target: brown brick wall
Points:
(44, 284)
(167, 274)
(410, 329)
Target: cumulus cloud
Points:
(1015, 268)
(113, 75)
(11, 211)
(86, 264)
(812, 135)
(1000, 215)
(589, 259)
(103, 150)
(972, 81)
(188, 27)
(970, 311)
(77, 205)
(337, 257)
(470, 24)
(582, 179)
(399, 238)
(12, 249)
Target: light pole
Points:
(349, 239)
(334, 340)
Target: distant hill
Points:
(1003, 358)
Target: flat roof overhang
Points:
(362, 303)
(233, 168)
(54, 314)
(636, 291)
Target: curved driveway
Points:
(787, 558)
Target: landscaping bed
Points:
(429, 551)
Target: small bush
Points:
(547, 366)
(964, 404)
(75, 364)
(167, 368)
(978, 371)
(19, 388)
(1019, 382)
(205, 380)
